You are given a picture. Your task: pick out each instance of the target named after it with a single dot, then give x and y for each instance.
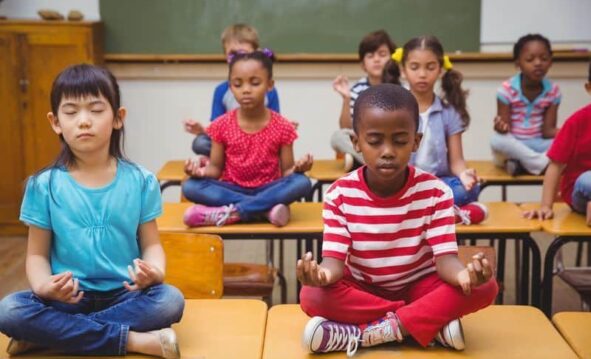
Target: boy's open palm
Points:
(341, 85)
(61, 287)
(193, 127)
(544, 212)
(143, 275)
(476, 273)
(311, 273)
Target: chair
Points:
(253, 279)
(194, 264)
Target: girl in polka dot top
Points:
(251, 173)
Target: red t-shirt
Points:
(572, 146)
(251, 159)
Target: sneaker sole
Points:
(309, 332)
(455, 341)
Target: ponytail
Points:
(391, 73)
(454, 95)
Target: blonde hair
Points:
(241, 33)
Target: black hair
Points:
(391, 73)
(266, 59)
(451, 82)
(78, 81)
(372, 41)
(518, 47)
(387, 97)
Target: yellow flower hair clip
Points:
(447, 65)
(397, 55)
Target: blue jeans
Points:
(250, 202)
(582, 192)
(461, 196)
(202, 145)
(98, 325)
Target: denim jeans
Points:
(582, 192)
(250, 202)
(202, 145)
(98, 325)
(461, 196)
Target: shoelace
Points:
(219, 217)
(382, 332)
(464, 215)
(343, 337)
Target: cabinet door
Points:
(46, 54)
(12, 172)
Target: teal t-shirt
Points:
(95, 230)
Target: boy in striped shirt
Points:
(390, 266)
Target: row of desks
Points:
(229, 329)
(505, 222)
(327, 171)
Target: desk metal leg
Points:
(501, 268)
(555, 246)
(164, 185)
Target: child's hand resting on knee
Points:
(304, 164)
(194, 168)
(143, 275)
(469, 178)
(476, 273)
(61, 287)
(313, 274)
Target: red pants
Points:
(423, 307)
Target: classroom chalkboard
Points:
(286, 26)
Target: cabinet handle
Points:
(24, 84)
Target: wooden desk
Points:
(504, 222)
(171, 174)
(575, 328)
(567, 226)
(210, 328)
(325, 172)
(305, 224)
(496, 332)
(492, 175)
(328, 171)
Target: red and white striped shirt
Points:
(389, 242)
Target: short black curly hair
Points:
(387, 97)
(518, 47)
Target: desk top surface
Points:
(172, 171)
(496, 332)
(218, 328)
(575, 328)
(503, 217)
(488, 172)
(306, 217)
(565, 221)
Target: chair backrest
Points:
(194, 263)
(465, 254)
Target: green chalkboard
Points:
(286, 26)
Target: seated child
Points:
(390, 267)
(443, 120)
(570, 157)
(527, 105)
(94, 259)
(235, 39)
(374, 51)
(252, 153)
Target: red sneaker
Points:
(200, 215)
(472, 213)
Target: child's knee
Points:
(487, 292)
(170, 302)
(311, 301)
(583, 183)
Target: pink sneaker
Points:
(200, 215)
(471, 213)
(279, 215)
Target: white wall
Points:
(27, 9)
(566, 23)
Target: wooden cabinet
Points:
(32, 53)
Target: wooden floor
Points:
(12, 264)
